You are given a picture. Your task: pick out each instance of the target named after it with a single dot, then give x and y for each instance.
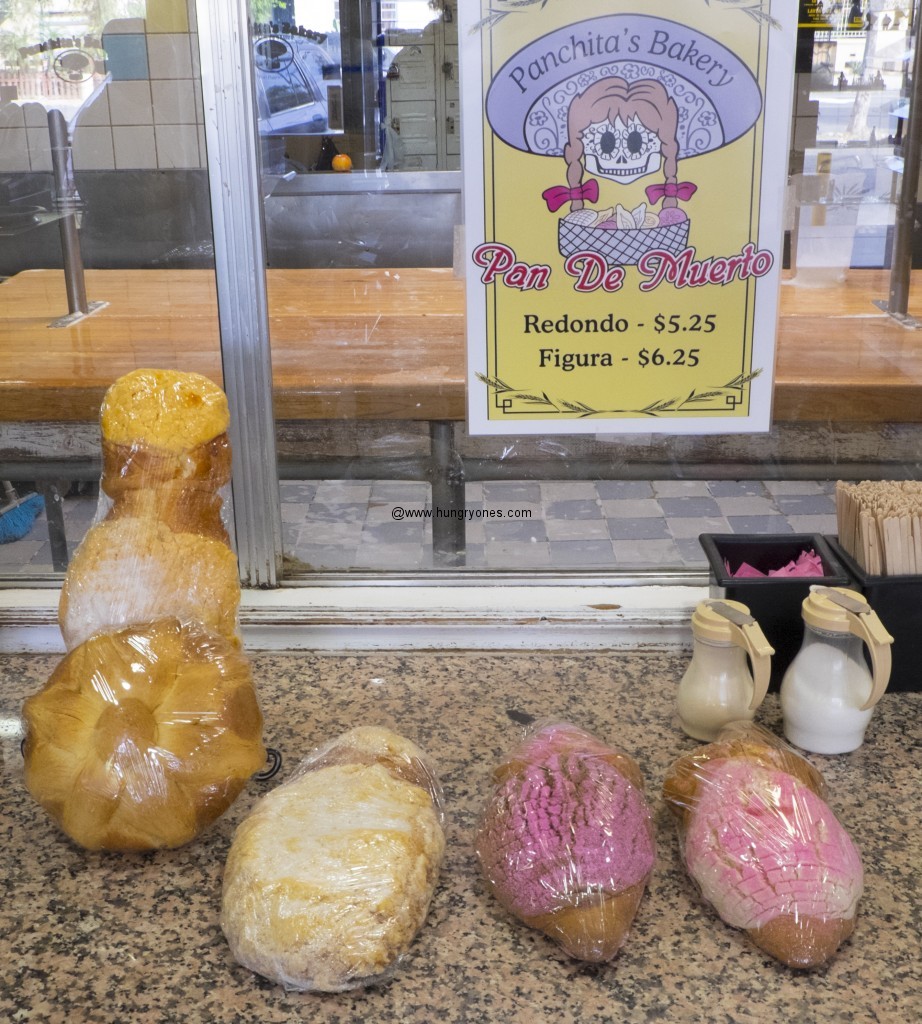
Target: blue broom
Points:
(18, 517)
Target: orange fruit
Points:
(342, 162)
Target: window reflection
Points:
(375, 82)
(54, 53)
(851, 105)
(289, 100)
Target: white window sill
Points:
(368, 616)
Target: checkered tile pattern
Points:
(606, 524)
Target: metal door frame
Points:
(240, 269)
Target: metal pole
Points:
(447, 482)
(901, 257)
(66, 201)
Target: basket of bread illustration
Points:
(622, 236)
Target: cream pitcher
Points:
(828, 694)
(717, 686)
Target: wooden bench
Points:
(375, 346)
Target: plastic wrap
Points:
(763, 846)
(159, 546)
(566, 840)
(166, 453)
(181, 488)
(142, 737)
(150, 727)
(138, 570)
(329, 879)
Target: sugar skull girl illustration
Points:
(620, 131)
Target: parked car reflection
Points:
(289, 99)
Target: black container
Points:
(898, 603)
(774, 601)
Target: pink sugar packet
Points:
(807, 563)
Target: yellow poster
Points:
(624, 174)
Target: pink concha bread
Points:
(566, 841)
(764, 847)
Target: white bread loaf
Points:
(330, 877)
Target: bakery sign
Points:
(624, 182)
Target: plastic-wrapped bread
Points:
(566, 841)
(143, 737)
(764, 847)
(329, 879)
(166, 452)
(137, 570)
(160, 547)
(150, 727)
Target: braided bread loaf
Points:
(150, 727)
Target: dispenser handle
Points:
(868, 626)
(747, 634)
(863, 622)
(751, 638)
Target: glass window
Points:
(358, 135)
(106, 250)
(374, 449)
(852, 101)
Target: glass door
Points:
(106, 244)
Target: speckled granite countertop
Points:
(88, 937)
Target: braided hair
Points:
(645, 99)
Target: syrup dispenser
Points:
(828, 694)
(717, 686)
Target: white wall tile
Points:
(196, 60)
(169, 55)
(134, 146)
(130, 103)
(11, 116)
(14, 149)
(124, 26)
(177, 145)
(34, 115)
(93, 149)
(39, 148)
(174, 100)
(96, 112)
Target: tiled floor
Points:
(352, 524)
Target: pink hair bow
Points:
(558, 195)
(683, 190)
